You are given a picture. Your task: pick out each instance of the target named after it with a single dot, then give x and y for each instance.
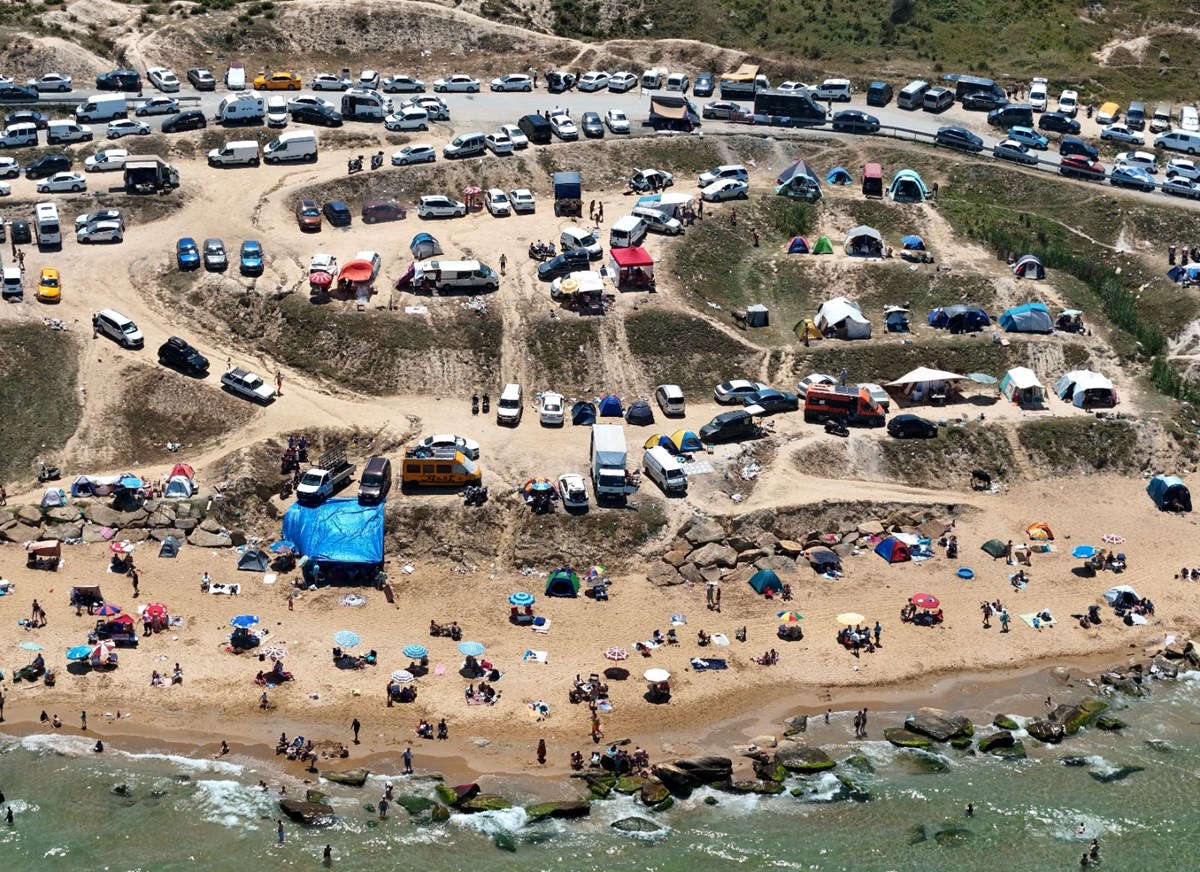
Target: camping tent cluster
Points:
(679, 442)
(800, 245)
(841, 318)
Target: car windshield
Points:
(310, 212)
(129, 328)
(49, 281)
(252, 381)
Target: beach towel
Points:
(218, 589)
(604, 705)
(678, 620)
(536, 656)
(540, 625)
(1021, 585)
(720, 639)
(1029, 620)
(703, 665)
(440, 670)
(647, 644)
(269, 578)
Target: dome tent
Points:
(766, 580)
(823, 246)
(610, 407)
(1029, 318)
(170, 547)
(1022, 386)
(838, 176)
(864, 241)
(959, 318)
(583, 413)
(424, 246)
(893, 550)
(798, 245)
(1029, 267)
(1170, 493)
(907, 187)
(640, 414)
(254, 560)
(843, 318)
(1084, 388)
(563, 582)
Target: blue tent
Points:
(798, 245)
(1178, 273)
(907, 187)
(798, 181)
(1170, 493)
(423, 246)
(893, 550)
(610, 407)
(765, 580)
(583, 413)
(838, 176)
(1029, 318)
(959, 318)
(640, 414)
(337, 531)
(912, 243)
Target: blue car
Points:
(1029, 138)
(252, 258)
(1131, 177)
(772, 401)
(187, 254)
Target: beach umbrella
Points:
(79, 652)
(616, 673)
(155, 610)
(521, 598)
(470, 649)
(403, 676)
(472, 190)
(790, 617)
(982, 378)
(925, 601)
(1112, 539)
(283, 546)
(346, 639)
(30, 646)
(656, 675)
(1083, 552)
(849, 619)
(102, 651)
(415, 650)
(274, 652)
(108, 610)
(595, 572)
(615, 653)
(320, 278)
(244, 622)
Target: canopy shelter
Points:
(824, 560)
(94, 485)
(959, 318)
(563, 582)
(673, 113)
(823, 246)
(1170, 493)
(610, 407)
(169, 547)
(839, 176)
(639, 414)
(766, 580)
(583, 413)
(1084, 388)
(893, 550)
(179, 487)
(1122, 597)
(864, 241)
(912, 243)
(798, 245)
(908, 187)
(1029, 318)
(799, 182)
(1028, 266)
(424, 246)
(872, 181)
(896, 318)
(357, 271)
(632, 267)
(924, 383)
(53, 497)
(1040, 531)
(841, 318)
(254, 560)
(340, 537)
(1021, 386)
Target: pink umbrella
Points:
(615, 653)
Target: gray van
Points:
(1012, 115)
(937, 100)
(912, 96)
(376, 481)
(536, 129)
(879, 94)
(1135, 115)
(664, 470)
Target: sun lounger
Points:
(703, 665)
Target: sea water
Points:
(75, 809)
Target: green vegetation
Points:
(949, 459)
(1081, 445)
(686, 350)
(38, 395)
(567, 352)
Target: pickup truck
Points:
(332, 471)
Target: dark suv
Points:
(337, 213)
(569, 261)
(119, 80)
(321, 115)
(1056, 122)
(177, 354)
(905, 426)
(1074, 145)
(729, 427)
(188, 119)
(48, 166)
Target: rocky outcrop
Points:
(636, 825)
(415, 805)
(600, 785)
(628, 785)
(204, 539)
(859, 763)
(484, 802)
(903, 738)
(1075, 717)
(1004, 722)
(351, 777)
(454, 796)
(30, 515)
(64, 514)
(18, 532)
(1015, 751)
(1001, 739)
(770, 788)
(565, 809)
(1118, 774)
(714, 554)
(310, 814)
(654, 792)
(1045, 730)
(1109, 723)
(703, 531)
(802, 759)
(65, 532)
(686, 774)
(939, 725)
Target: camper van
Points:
(46, 225)
(664, 470)
(244, 108)
(290, 146)
(536, 129)
(438, 467)
(627, 232)
(101, 108)
(242, 153)
(912, 95)
(458, 275)
(849, 404)
(364, 104)
(510, 407)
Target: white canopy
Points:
(925, 374)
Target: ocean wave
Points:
(196, 764)
(52, 743)
(491, 822)
(232, 804)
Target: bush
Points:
(795, 219)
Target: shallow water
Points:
(183, 813)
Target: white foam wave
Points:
(490, 822)
(232, 804)
(218, 767)
(56, 743)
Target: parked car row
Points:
(215, 258)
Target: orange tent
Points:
(1040, 531)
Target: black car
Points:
(177, 354)
(853, 121)
(772, 401)
(569, 261)
(15, 93)
(1056, 122)
(982, 101)
(21, 232)
(958, 137)
(119, 80)
(48, 166)
(703, 86)
(202, 79)
(1074, 145)
(729, 427)
(317, 115)
(904, 426)
(188, 119)
(337, 213)
(27, 116)
(557, 81)
(591, 125)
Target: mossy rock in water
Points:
(859, 762)
(923, 761)
(1015, 751)
(505, 841)
(315, 796)
(654, 791)
(918, 834)
(571, 808)
(414, 805)
(797, 791)
(960, 743)
(484, 802)
(636, 825)
(1108, 722)
(1001, 739)
(710, 800)
(802, 759)
(439, 814)
(1075, 761)
(628, 784)
(1118, 774)
(1075, 717)
(600, 785)
(1004, 722)
(852, 791)
(948, 834)
(771, 788)
(351, 777)
(664, 805)
(902, 738)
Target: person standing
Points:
(987, 615)
(384, 805)
(356, 726)
(864, 724)
(878, 633)
(279, 829)
(503, 263)
(8, 816)
(133, 575)
(279, 382)
(327, 857)
(408, 770)
(83, 720)
(857, 724)
(843, 376)
(717, 600)
(828, 712)
(756, 235)
(1, 706)
(1004, 621)
(541, 752)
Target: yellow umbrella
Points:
(850, 619)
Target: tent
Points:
(843, 319)
(610, 407)
(824, 560)
(864, 241)
(1028, 267)
(1179, 273)
(1170, 493)
(563, 582)
(339, 531)
(182, 469)
(179, 486)
(907, 187)
(823, 246)
(53, 497)
(798, 245)
(1085, 389)
(254, 560)
(1029, 318)
(1040, 531)
(806, 329)
(995, 547)
(839, 176)
(632, 266)
(357, 271)
(1121, 597)
(895, 319)
(922, 382)
(912, 243)
(683, 441)
(583, 413)
(893, 550)
(640, 414)
(799, 181)
(170, 547)
(757, 315)
(1022, 386)
(424, 246)
(94, 485)
(959, 318)
(766, 580)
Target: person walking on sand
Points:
(987, 615)
(355, 726)
(541, 752)
(83, 720)
(878, 633)
(408, 770)
(503, 263)
(279, 382)
(756, 235)
(133, 575)
(1004, 621)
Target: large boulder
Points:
(600, 785)
(1015, 751)
(710, 770)
(751, 555)
(714, 554)
(702, 531)
(799, 758)
(65, 531)
(64, 514)
(678, 781)
(939, 725)
(1074, 717)
(310, 814)
(19, 533)
(204, 539)
(903, 738)
(31, 515)
(741, 543)
(1004, 722)
(777, 563)
(453, 796)
(789, 548)
(162, 516)
(771, 788)
(351, 777)
(654, 791)
(1109, 723)
(691, 572)
(1045, 730)
(415, 805)
(628, 785)
(1000, 739)
(566, 808)
(676, 557)
(484, 802)
(93, 533)
(102, 515)
(133, 518)
(636, 825)
(210, 525)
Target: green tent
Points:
(823, 246)
(995, 547)
(765, 580)
(562, 582)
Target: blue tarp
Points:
(337, 531)
(610, 407)
(1029, 318)
(1191, 271)
(1166, 490)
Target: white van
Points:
(241, 153)
(19, 135)
(664, 470)
(658, 222)
(277, 111)
(1189, 120)
(363, 104)
(45, 221)
(937, 100)
(578, 237)
(14, 283)
(510, 407)
(678, 82)
(458, 275)
(102, 107)
(466, 145)
(912, 96)
(834, 89)
(67, 131)
(293, 145)
(1179, 140)
(244, 108)
(652, 79)
(627, 232)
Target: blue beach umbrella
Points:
(1083, 552)
(521, 598)
(79, 652)
(346, 639)
(244, 622)
(415, 650)
(470, 649)
(108, 610)
(32, 646)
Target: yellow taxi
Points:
(49, 287)
(277, 82)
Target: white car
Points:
(157, 106)
(1185, 169)
(519, 139)
(249, 385)
(50, 82)
(277, 111)
(127, 127)
(1068, 103)
(735, 389)
(1142, 160)
(552, 413)
(368, 79)
(725, 189)
(408, 118)
(106, 159)
(59, 182)
(101, 231)
(522, 200)
(563, 127)
(469, 447)
(497, 202)
(1121, 133)
(329, 82)
(433, 105)
(816, 378)
(592, 81)
(403, 85)
(725, 171)
(458, 82)
(572, 491)
(621, 82)
(1037, 94)
(513, 82)
(315, 102)
(437, 206)
(616, 121)
(792, 87)
(103, 215)
(651, 180)
(5, 190)
(10, 168)
(498, 143)
(163, 79)
(414, 154)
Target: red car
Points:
(382, 210)
(1077, 166)
(308, 215)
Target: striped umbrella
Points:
(470, 649)
(790, 617)
(615, 653)
(108, 610)
(415, 650)
(274, 652)
(346, 639)
(403, 676)
(521, 598)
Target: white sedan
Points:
(552, 413)
(59, 182)
(564, 128)
(498, 143)
(572, 491)
(1121, 133)
(522, 200)
(402, 84)
(621, 82)
(163, 79)
(497, 202)
(5, 189)
(248, 384)
(101, 231)
(1187, 169)
(519, 139)
(616, 121)
(725, 189)
(515, 82)
(468, 447)
(592, 81)
(1141, 160)
(437, 206)
(157, 106)
(734, 390)
(127, 127)
(50, 82)
(413, 154)
(329, 82)
(315, 102)
(458, 82)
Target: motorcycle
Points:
(475, 495)
(836, 428)
(49, 473)
(354, 165)
(376, 160)
(541, 250)
(474, 404)
(487, 403)
(285, 488)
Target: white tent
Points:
(1084, 387)
(844, 318)
(923, 382)
(1021, 384)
